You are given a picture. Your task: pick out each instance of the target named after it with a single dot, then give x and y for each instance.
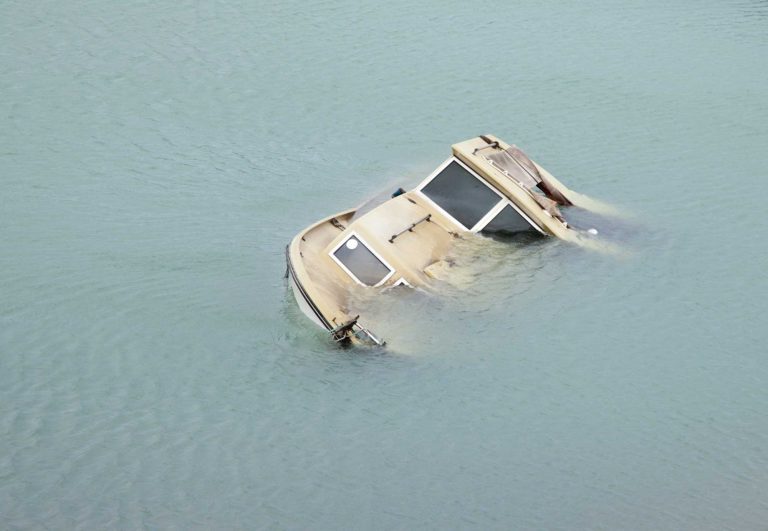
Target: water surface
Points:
(156, 157)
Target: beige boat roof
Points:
(423, 231)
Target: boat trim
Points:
(303, 292)
(354, 234)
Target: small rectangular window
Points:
(462, 195)
(361, 262)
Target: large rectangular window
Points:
(462, 195)
(360, 262)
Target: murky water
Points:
(155, 158)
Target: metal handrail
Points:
(410, 227)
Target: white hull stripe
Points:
(304, 295)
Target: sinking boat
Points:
(486, 186)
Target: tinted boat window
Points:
(461, 194)
(361, 262)
(508, 220)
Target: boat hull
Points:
(305, 304)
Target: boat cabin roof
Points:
(399, 241)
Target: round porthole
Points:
(352, 244)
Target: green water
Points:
(156, 157)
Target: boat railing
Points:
(410, 227)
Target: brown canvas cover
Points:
(517, 165)
(521, 168)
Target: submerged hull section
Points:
(319, 296)
(485, 186)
